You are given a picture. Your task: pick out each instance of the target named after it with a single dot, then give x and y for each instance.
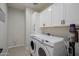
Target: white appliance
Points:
(33, 45)
(34, 38)
(50, 46)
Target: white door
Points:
(2, 35)
(35, 23)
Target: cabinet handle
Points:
(43, 25)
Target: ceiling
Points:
(35, 6)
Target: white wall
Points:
(29, 28)
(15, 27)
(3, 27)
(60, 31)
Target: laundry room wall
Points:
(29, 28)
(16, 21)
(59, 31)
(3, 27)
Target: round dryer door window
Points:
(42, 50)
(32, 45)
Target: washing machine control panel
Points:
(45, 41)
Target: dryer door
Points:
(42, 50)
(33, 46)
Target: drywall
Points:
(29, 28)
(59, 31)
(16, 30)
(3, 27)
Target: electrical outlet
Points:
(62, 21)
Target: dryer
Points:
(51, 46)
(42, 50)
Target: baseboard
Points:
(27, 48)
(15, 46)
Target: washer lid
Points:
(50, 40)
(54, 39)
(39, 37)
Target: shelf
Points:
(55, 26)
(60, 26)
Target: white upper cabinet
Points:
(72, 13)
(65, 14)
(45, 17)
(53, 16)
(58, 17)
(60, 14)
(42, 19)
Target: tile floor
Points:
(18, 51)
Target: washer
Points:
(34, 43)
(51, 46)
(33, 46)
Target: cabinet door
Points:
(72, 13)
(42, 19)
(57, 14)
(45, 17)
(48, 16)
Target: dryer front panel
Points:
(42, 50)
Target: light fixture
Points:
(49, 9)
(35, 3)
